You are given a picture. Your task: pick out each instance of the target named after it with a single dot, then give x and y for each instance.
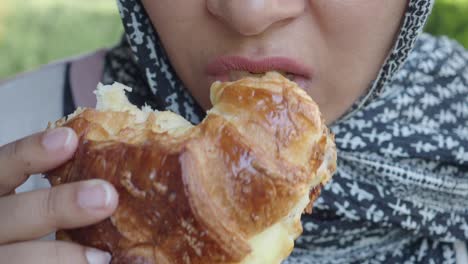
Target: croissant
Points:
(229, 190)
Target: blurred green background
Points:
(35, 32)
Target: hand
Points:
(27, 216)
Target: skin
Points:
(28, 216)
(343, 42)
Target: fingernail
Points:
(95, 194)
(56, 139)
(95, 256)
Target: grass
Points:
(35, 32)
(450, 17)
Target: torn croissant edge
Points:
(115, 118)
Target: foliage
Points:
(450, 18)
(35, 32)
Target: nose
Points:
(252, 17)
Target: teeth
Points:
(289, 76)
(237, 75)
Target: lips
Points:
(232, 68)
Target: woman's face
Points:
(332, 48)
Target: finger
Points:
(52, 252)
(34, 214)
(34, 154)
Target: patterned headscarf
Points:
(401, 190)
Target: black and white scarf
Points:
(400, 194)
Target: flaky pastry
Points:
(229, 190)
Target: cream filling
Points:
(113, 98)
(275, 243)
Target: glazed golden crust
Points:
(199, 194)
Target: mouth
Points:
(236, 75)
(233, 68)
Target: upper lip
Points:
(224, 65)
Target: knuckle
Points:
(49, 206)
(12, 151)
(11, 159)
(13, 154)
(64, 252)
(57, 252)
(55, 255)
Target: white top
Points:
(27, 104)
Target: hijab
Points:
(401, 188)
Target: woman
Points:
(397, 101)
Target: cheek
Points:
(356, 37)
(184, 28)
(177, 23)
(359, 27)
